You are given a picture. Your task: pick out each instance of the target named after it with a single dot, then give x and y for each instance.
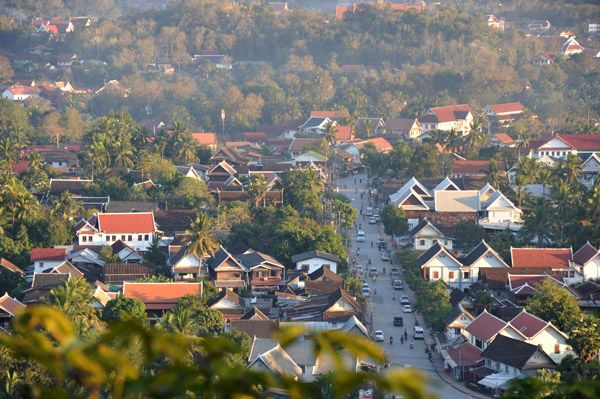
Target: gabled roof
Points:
(530, 325)
(581, 141)
(222, 165)
(226, 294)
(449, 114)
(507, 108)
(495, 202)
(330, 114)
(505, 138)
(585, 254)
(50, 254)
(446, 184)
(474, 166)
(324, 272)
(381, 144)
(485, 326)
(455, 313)
(433, 252)
(403, 125)
(254, 313)
(298, 143)
(315, 254)
(478, 252)
(343, 132)
(10, 305)
(315, 122)
(67, 268)
(160, 295)
(119, 245)
(314, 288)
(408, 200)
(279, 362)
(422, 225)
(254, 259)
(49, 280)
(8, 265)
(341, 293)
(515, 353)
(466, 355)
(122, 223)
(220, 257)
(205, 138)
(557, 258)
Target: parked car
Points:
(419, 333)
(407, 309)
(381, 244)
(372, 221)
(360, 237)
(379, 336)
(366, 291)
(398, 285)
(376, 217)
(385, 257)
(395, 274)
(404, 300)
(398, 321)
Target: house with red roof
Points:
(45, 259)
(381, 144)
(160, 297)
(543, 334)
(21, 93)
(544, 58)
(407, 129)
(587, 260)
(332, 115)
(559, 259)
(206, 139)
(136, 229)
(561, 145)
(503, 140)
(474, 168)
(457, 117)
(342, 134)
(113, 86)
(8, 309)
(504, 112)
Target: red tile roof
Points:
(341, 10)
(505, 138)
(518, 281)
(160, 295)
(5, 263)
(585, 254)
(205, 138)
(48, 254)
(485, 326)
(137, 222)
(343, 132)
(30, 90)
(581, 141)
(447, 114)
(468, 355)
(255, 135)
(299, 142)
(20, 167)
(329, 114)
(556, 258)
(508, 108)
(528, 325)
(382, 144)
(10, 305)
(475, 167)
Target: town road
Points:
(381, 305)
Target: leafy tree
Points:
(124, 309)
(155, 255)
(302, 190)
(199, 237)
(372, 158)
(208, 320)
(554, 304)
(353, 285)
(433, 301)
(483, 300)
(66, 207)
(12, 283)
(494, 175)
(584, 337)
(347, 213)
(540, 221)
(180, 320)
(469, 233)
(74, 298)
(423, 162)
(394, 221)
(257, 188)
(107, 256)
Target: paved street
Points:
(382, 305)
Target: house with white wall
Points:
(457, 117)
(587, 260)
(47, 258)
(425, 235)
(311, 261)
(137, 229)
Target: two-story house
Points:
(457, 117)
(559, 259)
(561, 145)
(587, 260)
(311, 261)
(45, 259)
(424, 235)
(407, 129)
(225, 271)
(316, 125)
(137, 229)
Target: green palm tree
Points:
(185, 147)
(437, 137)
(8, 151)
(199, 237)
(330, 130)
(74, 298)
(570, 168)
(453, 140)
(563, 197)
(66, 207)
(528, 168)
(257, 188)
(143, 162)
(520, 181)
(476, 137)
(37, 161)
(494, 175)
(179, 321)
(122, 154)
(540, 220)
(28, 206)
(12, 387)
(544, 177)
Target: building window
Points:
(83, 238)
(41, 264)
(145, 237)
(305, 268)
(556, 348)
(478, 343)
(114, 238)
(466, 275)
(130, 238)
(488, 363)
(506, 369)
(421, 242)
(436, 275)
(451, 275)
(446, 242)
(139, 237)
(123, 238)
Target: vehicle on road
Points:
(369, 211)
(395, 274)
(373, 272)
(372, 221)
(360, 237)
(404, 300)
(385, 257)
(381, 244)
(376, 217)
(398, 321)
(407, 309)
(379, 336)
(398, 285)
(366, 291)
(419, 333)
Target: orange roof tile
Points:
(343, 132)
(48, 254)
(10, 305)
(160, 295)
(137, 222)
(556, 258)
(507, 108)
(205, 138)
(381, 144)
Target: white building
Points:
(310, 261)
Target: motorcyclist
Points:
(372, 246)
(391, 340)
(394, 297)
(412, 344)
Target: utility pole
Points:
(223, 120)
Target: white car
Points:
(379, 336)
(404, 300)
(407, 309)
(372, 221)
